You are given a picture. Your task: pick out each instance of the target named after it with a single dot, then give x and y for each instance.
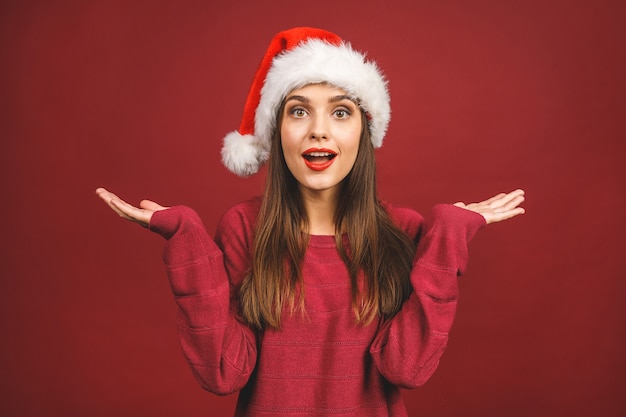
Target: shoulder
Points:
(406, 218)
(243, 211)
(239, 220)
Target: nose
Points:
(319, 128)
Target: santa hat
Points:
(296, 58)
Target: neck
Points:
(320, 209)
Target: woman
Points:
(316, 299)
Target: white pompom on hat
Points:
(295, 58)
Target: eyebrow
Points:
(332, 99)
(297, 98)
(335, 99)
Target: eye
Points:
(342, 113)
(298, 112)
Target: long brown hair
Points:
(376, 247)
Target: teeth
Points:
(319, 154)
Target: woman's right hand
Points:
(140, 215)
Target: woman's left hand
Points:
(498, 208)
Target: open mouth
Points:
(319, 159)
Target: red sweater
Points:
(321, 363)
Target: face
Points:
(320, 133)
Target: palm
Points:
(141, 215)
(499, 207)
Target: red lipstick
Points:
(319, 159)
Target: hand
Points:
(498, 208)
(140, 215)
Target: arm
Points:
(219, 348)
(408, 347)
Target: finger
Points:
(108, 197)
(493, 199)
(511, 205)
(128, 210)
(151, 205)
(498, 217)
(505, 199)
(132, 213)
(123, 209)
(104, 194)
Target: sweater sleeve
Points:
(219, 348)
(408, 346)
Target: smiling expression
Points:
(320, 133)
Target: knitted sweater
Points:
(320, 363)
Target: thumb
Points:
(151, 205)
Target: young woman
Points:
(316, 299)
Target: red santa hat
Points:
(296, 58)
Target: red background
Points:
(487, 96)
